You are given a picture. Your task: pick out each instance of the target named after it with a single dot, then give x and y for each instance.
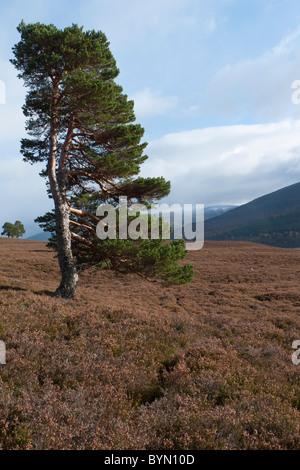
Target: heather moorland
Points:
(132, 364)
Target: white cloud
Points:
(124, 22)
(144, 23)
(23, 192)
(259, 87)
(227, 164)
(2, 92)
(12, 121)
(149, 103)
(210, 25)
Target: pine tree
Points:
(82, 126)
(13, 230)
(9, 230)
(20, 228)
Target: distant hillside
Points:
(209, 213)
(214, 211)
(42, 236)
(273, 219)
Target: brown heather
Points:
(130, 364)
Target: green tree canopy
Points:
(15, 230)
(82, 126)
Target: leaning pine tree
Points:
(81, 125)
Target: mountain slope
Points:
(216, 210)
(272, 219)
(42, 236)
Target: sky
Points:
(212, 82)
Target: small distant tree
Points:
(9, 230)
(15, 230)
(82, 126)
(20, 228)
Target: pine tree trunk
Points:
(69, 276)
(58, 184)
